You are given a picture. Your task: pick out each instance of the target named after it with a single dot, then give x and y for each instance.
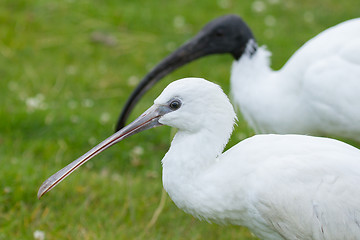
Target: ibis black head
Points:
(227, 34)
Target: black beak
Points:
(227, 34)
(190, 51)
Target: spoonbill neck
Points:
(190, 156)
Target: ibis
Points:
(317, 92)
(279, 186)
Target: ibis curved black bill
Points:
(147, 120)
(227, 34)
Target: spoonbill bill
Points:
(279, 186)
(317, 92)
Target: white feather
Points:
(316, 92)
(279, 186)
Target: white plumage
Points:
(317, 92)
(279, 186)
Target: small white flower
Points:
(270, 21)
(133, 81)
(7, 190)
(224, 3)
(179, 22)
(258, 6)
(39, 235)
(308, 17)
(138, 150)
(35, 103)
(88, 103)
(104, 117)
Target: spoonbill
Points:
(317, 92)
(279, 186)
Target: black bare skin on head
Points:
(227, 34)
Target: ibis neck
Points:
(270, 101)
(251, 68)
(248, 50)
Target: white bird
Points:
(279, 186)
(317, 92)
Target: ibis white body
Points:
(317, 91)
(279, 186)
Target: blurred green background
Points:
(66, 69)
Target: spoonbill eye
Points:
(174, 105)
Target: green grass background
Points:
(66, 69)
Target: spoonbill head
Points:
(315, 93)
(184, 105)
(279, 186)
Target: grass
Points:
(67, 67)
